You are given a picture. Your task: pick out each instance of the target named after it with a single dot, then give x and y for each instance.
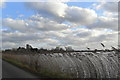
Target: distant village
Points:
(29, 49)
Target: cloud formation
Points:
(108, 6)
(57, 23)
(62, 12)
(33, 24)
(105, 22)
(80, 16)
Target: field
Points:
(68, 64)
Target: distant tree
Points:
(14, 49)
(52, 49)
(69, 48)
(7, 50)
(34, 49)
(57, 48)
(42, 49)
(20, 49)
(61, 49)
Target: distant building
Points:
(28, 46)
(69, 48)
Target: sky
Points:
(51, 24)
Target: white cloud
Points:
(51, 8)
(62, 12)
(108, 6)
(91, 38)
(50, 39)
(17, 24)
(7, 45)
(108, 18)
(105, 22)
(46, 24)
(80, 16)
(34, 23)
(110, 14)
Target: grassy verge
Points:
(20, 65)
(41, 74)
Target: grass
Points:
(41, 73)
(19, 64)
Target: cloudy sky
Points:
(51, 24)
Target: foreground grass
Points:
(40, 74)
